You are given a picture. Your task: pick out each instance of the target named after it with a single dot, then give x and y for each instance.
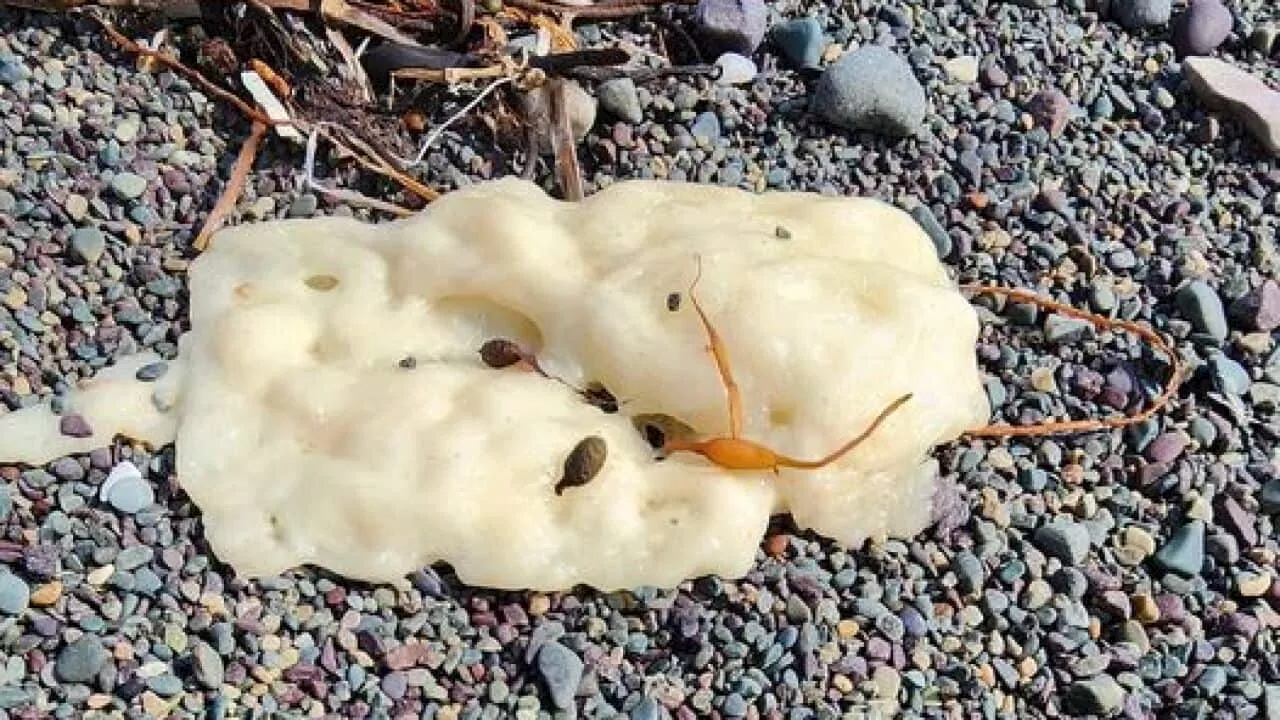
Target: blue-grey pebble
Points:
(937, 234)
(619, 98)
(736, 26)
(1202, 307)
(128, 186)
(80, 661)
(735, 706)
(15, 594)
(800, 41)
(131, 495)
(1228, 375)
(1099, 695)
(1183, 552)
(561, 672)
(1213, 680)
(872, 89)
(1063, 329)
(88, 244)
(1066, 540)
(706, 127)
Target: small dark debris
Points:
(656, 427)
(598, 395)
(408, 362)
(74, 425)
(782, 233)
(500, 353)
(583, 464)
(673, 301)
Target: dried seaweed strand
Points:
(563, 144)
(130, 46)
(1176, 375)
(603, 9)
(235, 185)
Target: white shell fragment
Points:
(305, 435)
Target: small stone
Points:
(1270, 496)
(736, 26)
(619, 98)
(304, 206)
(800, 41)
(77, 206)
(735, 69)
(1099, 695)
(1184, 551)
(1202, 307)
(735, 706)
(963, 69)
(126, 490)
(1228, 375)
(1051, 110)
(74, 425)
(80, 661)
(937, 234)
(1062, 329)
(88, 244)
(1138, 14)
(872, 89)
(127, 129)
(1068, 541)
(15, 594)
(47, 594)
(1253, 584)
(128, 186)
(1201, 28)
(1258, 309)
(561, 671)
(706, 127)
(1166, 447)
(1220, 85)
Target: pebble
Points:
(1201, 28)
(736, 26)
(1202, 307)
(1183, 552)
(126, 490)
(15, 594)
(1228, 375)
(1138, 14)
(735, 69)
(801, 42)
(962, 69)
(561, 672)
(128, 186)
(872, 89)
(1099, 695)
(937, 234)
(1066, 540)
(1051, 110)
(74, 425)
(88, 244)
(80, 661)
(1253, 584)
(619, 98)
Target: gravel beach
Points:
(1040, 143)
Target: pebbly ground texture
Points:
(1127, 573)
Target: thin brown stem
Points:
(235, 186)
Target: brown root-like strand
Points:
(235, 185)
(1176, 375)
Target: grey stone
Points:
(1138, 14)
(88, 244)
(801, 42)
(1202, 307)
(706, 127)
(1258, 309)
(736, 26)
(131, 494)
(872, 89)
(561, 671)
(937, 234)
(1183, 553)
(1228, 375)
(80, 661)
(619, 98)
(1066, 540)
(15, 594)
(1064, 329)
(1098, 695)
(128, 186)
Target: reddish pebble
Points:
(75, 426)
